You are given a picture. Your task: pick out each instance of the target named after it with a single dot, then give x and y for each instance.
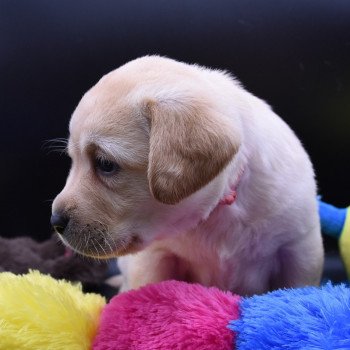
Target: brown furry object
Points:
(18, 255)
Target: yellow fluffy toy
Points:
(39, 312)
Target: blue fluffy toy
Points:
(306, 318)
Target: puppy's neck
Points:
(235, 173)
(230, 197)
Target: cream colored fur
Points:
(181, 135)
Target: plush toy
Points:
(335, 222)
(19, 255)
(38, 312)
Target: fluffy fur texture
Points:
(170, 315)
(176, 138)
(307, 318)
(39, 312)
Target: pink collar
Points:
(230, 198)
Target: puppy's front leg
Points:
(151, 265)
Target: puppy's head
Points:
(147, 143)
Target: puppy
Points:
(183, 174)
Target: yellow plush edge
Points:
(344, 243)
(39, 312)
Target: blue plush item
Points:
(306, 318)
(332, 219)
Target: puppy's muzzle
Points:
(59, 222)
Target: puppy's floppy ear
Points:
(190, 143)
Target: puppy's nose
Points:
(59, 222)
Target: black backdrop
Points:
(293, 54)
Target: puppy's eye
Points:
(106, 167)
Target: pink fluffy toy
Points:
(169, 315)
(177, 315)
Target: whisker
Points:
(108, 244)
(58, 239)
(87, 239)
(59, 145)
(96, 250)
(102, 248)
(58, 142)
(123, 243)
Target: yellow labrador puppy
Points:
(185, 175)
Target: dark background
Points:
(293, 54)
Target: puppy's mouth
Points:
(100, 245)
